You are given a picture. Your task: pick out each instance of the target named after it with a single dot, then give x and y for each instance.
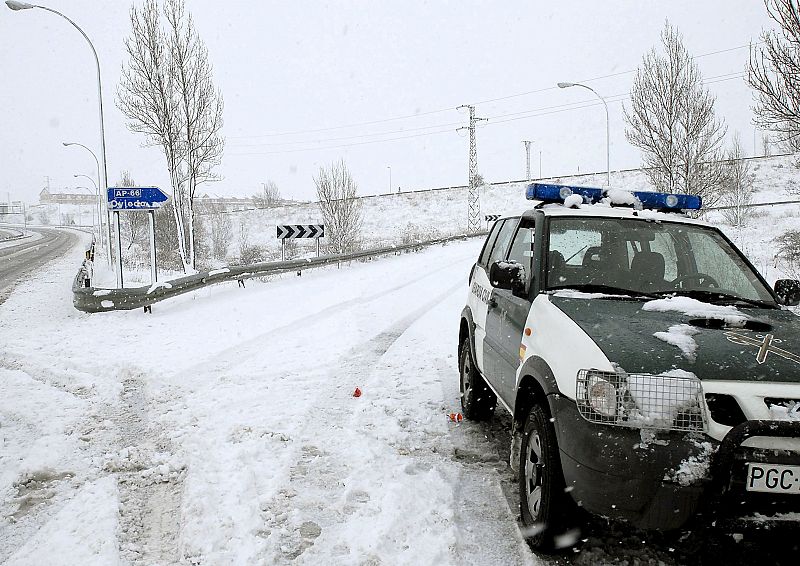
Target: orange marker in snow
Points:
(357, 392)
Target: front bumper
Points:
(728, 501)
(661, 480)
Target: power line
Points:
(355, 136)
(438, 111)
(511, 117)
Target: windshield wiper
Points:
(718, 297)
(600, 288)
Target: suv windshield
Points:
(646, 257)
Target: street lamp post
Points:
(389, 167)
(15, 5)
(107, 237)
(99, 210)
(608, 135)
(80, 211)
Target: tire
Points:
(477, 400)
(546, 510)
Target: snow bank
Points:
(785, 412)
(83, 532)
(573, 201)
(572, 294)
(621, 197)
(680, 335)
(692, 307)
(158, 285)
(695, 468)
(659, 398)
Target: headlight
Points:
(671, 401)
(602, 396)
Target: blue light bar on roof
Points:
(552, 193)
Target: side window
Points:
(522, 249)
(503, 240)
(490, 240)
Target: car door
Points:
(480, 292)
(507, 313)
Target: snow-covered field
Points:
(222, 429)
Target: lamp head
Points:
(565, 85)
(14, 5)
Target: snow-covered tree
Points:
(672, 120)
(737, 186)
(167, 93)
(773, 73)
(340, 206)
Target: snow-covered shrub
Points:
(788, 252)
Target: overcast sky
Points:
(306, 83)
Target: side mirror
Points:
(788, 291)
(508, 275)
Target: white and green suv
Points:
(652, 374)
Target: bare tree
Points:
(672, 120)
(221, 230)
(167, 93)
(341, 208)
(200, 103)
(148, 97)
(133, 222)
(737, 186)
(788, 255)
(270, 195)
(766, 145)
(773, 71)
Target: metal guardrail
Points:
(19, 236)
(90, 299)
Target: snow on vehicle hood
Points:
(767, 349)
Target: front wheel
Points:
(546, 509)
(477, 400)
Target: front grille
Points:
(783, 409)
(724, 409)
(664, 402)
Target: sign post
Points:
(129, 199)
(293, 231)
(491, 218)
(151, 214)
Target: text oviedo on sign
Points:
(135, 198)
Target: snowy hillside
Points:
(393, 218)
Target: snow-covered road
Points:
(222, 429)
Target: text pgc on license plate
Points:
(773, 478)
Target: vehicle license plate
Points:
(773, 478)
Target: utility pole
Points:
(474, 198)
(527, 159)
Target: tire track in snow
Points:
(240, 353)
(315, 477)
(38, 494)
(45, 375)
(149, 479)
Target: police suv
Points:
(652, 374)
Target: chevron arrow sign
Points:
(491, 217)
(292, 231)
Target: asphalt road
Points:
(30, 254)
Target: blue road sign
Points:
(135, 198)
